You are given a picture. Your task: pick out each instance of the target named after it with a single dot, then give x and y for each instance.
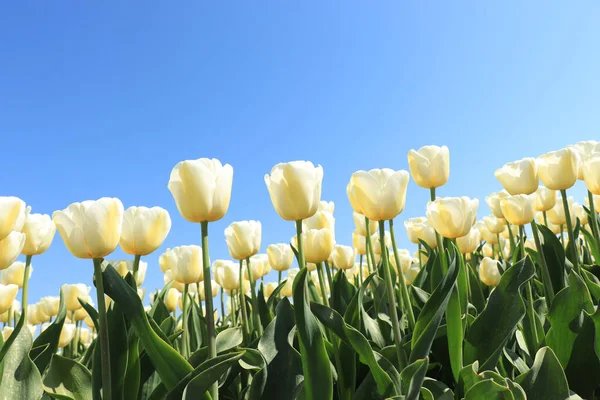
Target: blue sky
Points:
(103, 99)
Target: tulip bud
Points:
(50, 305)
(493, 201)
(315, 278)
(591, 173)
(380, 194)
(452, 217)
(311, 266)
(185, 263)
(168, 278)
(125, 266)
(32, 315)
(66, 335)
(485, 233)
(280, 256)
(530, 244)
(286, 290)
(493, 224)
(8, 293)
(13, 213)
(518, 209)
(230, 276)
(359, 242)
(585, 151)
(343, 256)
(470, 242)
(256, 268)
(171, 298)
(215, 287)
(39, 231)
(519, 177)
(406, 260)
(201, 189)
(72, 293)
(243, 239)
(318, 244)
(556, 214)
(144, 229)
(141, 293)
(559, 170)
(411, 274)
(321, 220)
(429, 166)
(10, 248)
(15, 273)
(327, 206)
(6, 332)
(269, 288)
(89, 322)
(295, 189)
(91, 229)
(361, 226)
(423, 256)
(377, 247)
(596, 202)
(580, 213)
(545, 198)
(40, 314)
(488, 272)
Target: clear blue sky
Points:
(103, 99)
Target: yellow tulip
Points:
(125, 266)
(171, 298)
(343, 256)
(556, 214)
(141, 293)
(518, 209)
(280, 256)
(585, 151)
(321, 220)
(32, 315)
(13, 212)
(315, 278)
(168, 278)
(359, 242)
(419, 229)
(519, 177)
(361, 226)
(377, 246)
(50, 305)
(405, 258)
(89, 322)
(379, 193)
(470, 242)
(489, 273)
(243, 239)
(485, 233)
(591, 173)
(327, 206)
(558, 170)
(5, 316)
(580, 213)
(505, 233)
(596, 202)
(66, 335)
(6, 332)
(286, 290)
(15, 273)
(452, 217)
(185, 263)
(311, 266)
(39, 231)
(295, 189)
(430, 166)
(40, 314)
(215, 287)
(10, 248)
(545, 198)
(256, 268)
(144, 229)
(91, 229)
(493, 201)
(493, 224)
(318, 244)
(269, 288)
(411, 274)
(230, 275)
(8, 293)
(201, 189)
(72, 293)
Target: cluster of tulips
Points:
(501, 307)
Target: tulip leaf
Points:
(342, 292)
(583, 369)
(228, 339)
(67, 379)
(490, 331)
(131, 384)
(412, 378)
(273, 296)
(546, 378)
(264, 312)
(20, 377)
(566, 317)
(46, 343)
(253, 361)
(594, 246)
(169, 364)
(555, 256)
(93, 314)
(488, 390)
(117, 337)
(318, 383)
(371, 326)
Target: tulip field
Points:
(501, 306)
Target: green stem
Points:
(439, 239)
(511, 237)
(136, 267)
(328, 271)
(562, 234)
(208, 302)
(570, 230)
(530, 309)
(403, 289)
(233, 310)
(322, 284)
(257, 324)
(103, 331)
(300, 241)
(548, 289)
(184, 337)
(391, 299)
(278, 278)
(360, 261)
(243, 304)
(222, 307)
(369, 248)
(545, 218)
(594, 216)
(25, 288)
(419, 246)
(500, 253)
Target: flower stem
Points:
(184, 336)
(301, 261)
(439, 239)
(391, 299)
(328, 271)
(545, 218)
(208, 302)
(403, 289)
(278, 278)
(322, 284)
(136, 267)
(360, 262)
(257, 324)
(25, 288)
(243, 304)
(545, 272)
(369, 247)
(222, 307)
(103, 331)
(565, 201)
(530, 309)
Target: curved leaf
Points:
(546, 378)
(20, 377)
(67, 378)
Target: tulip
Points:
(243, 239)
(318, 244)
(514, 229)
(39, 231)
(15, 274)
(429, 166)
(40, 314)
(493, 201)
(419, 229)
(321, 220)
(452, 217)
(518, 209)
(405, 258)
(269, 288)
(32, 315)
(171, 298)
(256, 268)
(168, 278)
(493, 224)
(144, 229)
(286, 290)
(359, 242)
(230, 276)
(295, 189)
(343, 256)
(141, 293)
(10, 248)
(280, 256)
(545, 199)
(378, 248)
(596, 202)
(6, 332)
(489, 273)
(470, 242)
(50, 305)
(8, 293)
(411, 274)
(13, 212)
(322, 286)
(91, 229)
(125, 266)
(185, 263)
(66, 335)
(485, 233)
(89, 322)
(201, 189)
(327, 206)
(556, 215)
(591, 173)
(580, 213)
(519, 177)
(72, 293)
(558, 170)
(361, 226)
(266, 265)
(585, 151)
(380, 194)
(530, 244)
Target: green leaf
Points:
(117, 336)
(412, 378)
(546, 378)
(20, 377)
(488, 390)
(583, 369)
(46, 344)
(228, 339)
(371, 326)
(254, 361)
(67, 379)
(555, 256)
(342, 292)
(131, 384)
(493, 327)
(318, 382)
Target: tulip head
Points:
(405, 258)
(591, 173)
(558, 170)
(419, 229)
(596, 202)
(269, 288)
(185, 263)
(8, 293)
(15, 273)
(585, 150)
(125, 266)
(452, 217)
(295, 189)
(321, 220)
(518, 209)
(470, 242)
(171, 298)
(489, 273)
(50, 305)
(411, 274)
(144, 229)
(66, 335)
(10, 248)
(343, 257)
(13, 213)
(493, 201)
(39, 231)
(485, 233)
(556, 214)
(579, 212)
(286, 290)
(545, 198)
(243, 239)
(519, 177)
(493, 224)
(359, 242)
(72, 293)
(230, 276)
(361, 226)
(318, 245)
(429, 166)
(379, 194)
(280, 256)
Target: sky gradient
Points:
(103, 99)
